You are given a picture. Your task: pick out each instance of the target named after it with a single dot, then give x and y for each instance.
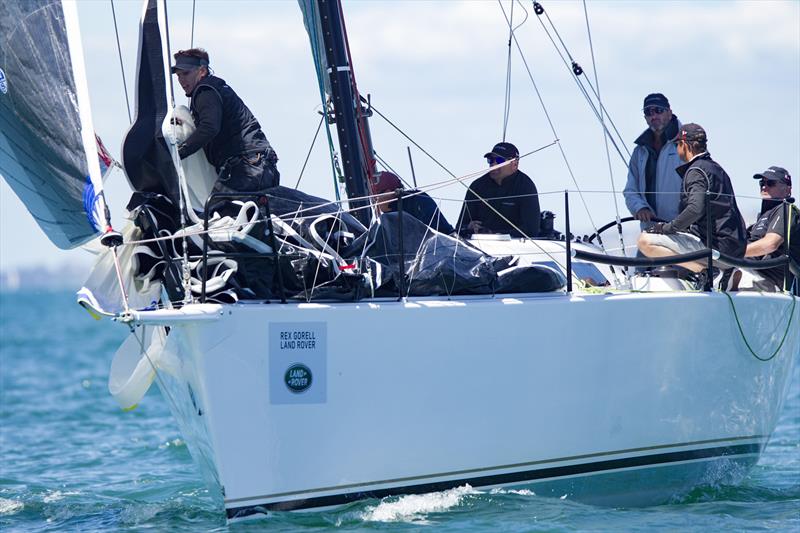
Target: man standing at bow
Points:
(653, 186)
(227, 131)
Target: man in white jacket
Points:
(653, 187)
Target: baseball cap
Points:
(691, 133)
(385, 181)
(655, 99)
(188, 63)
(504, 150)
(775, 173)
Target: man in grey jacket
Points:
(653, 187)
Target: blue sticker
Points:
(3, 82)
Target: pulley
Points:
(537, 8)
(576, 68)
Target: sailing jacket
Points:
(653, 182)
(700, 175)
(516, 199)
(773, 220)
(225, 126)
(423, 208)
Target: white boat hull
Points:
(428, 394)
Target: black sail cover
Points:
(43, 145)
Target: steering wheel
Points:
(613, 223)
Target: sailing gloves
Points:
(661, 228)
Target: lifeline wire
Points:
(121, 65)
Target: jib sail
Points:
(48, 149)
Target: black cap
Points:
(188, 63)
(655, 99)
(691, 133)
(504, 150)
(775, 173)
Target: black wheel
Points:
(613, 223)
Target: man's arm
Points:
(763, 246)
(696, 187)
(529, 209)
(634, 198)
(469, 208)
(208, 107)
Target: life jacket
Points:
(240, 133)
(729, 232)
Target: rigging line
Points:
(605, 141)
(121, 65)
(511, 30)
(187, 291)
(191, 40)
(552, 127)
(507, 96)
(315, 49)
(580, 85)
(412, 141)
(311, 148)
(602, 114)
(386, 165)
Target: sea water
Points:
(71, 460)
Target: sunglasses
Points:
(495, 160)
(768, 183)
(654, 110)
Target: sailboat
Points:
(404, 362)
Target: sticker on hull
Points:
(298, 360)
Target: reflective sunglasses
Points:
(495, 160)
(654, 110)
(763, 182)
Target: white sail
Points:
(48, 151)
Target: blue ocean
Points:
(71, 460)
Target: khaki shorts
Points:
(679, 243)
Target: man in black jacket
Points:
(227, 131)
(504, 200)
(386, 186)
(767, 236)
(688, 231)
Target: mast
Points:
(355, 144)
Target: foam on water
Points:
(9, 507)
(413, 508)
(56, 495)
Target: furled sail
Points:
(48, 149)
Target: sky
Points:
(437, 69)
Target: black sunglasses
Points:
(495, 160)
(763, 182)
(654, 110)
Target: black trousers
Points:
(249, 173)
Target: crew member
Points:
(504, 200)
(227, 131)
(416, 203)
(767, 235)
(653, 185)
(687, 231)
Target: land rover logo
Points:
(298, 378)
(3, 82)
